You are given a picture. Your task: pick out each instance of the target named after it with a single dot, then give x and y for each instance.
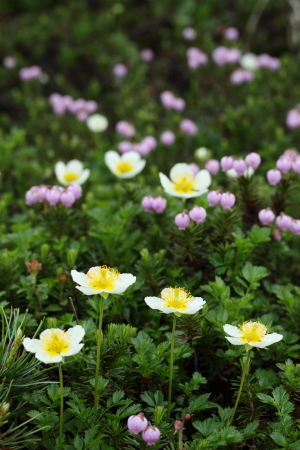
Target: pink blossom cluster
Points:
(283, 221)
(293, 118)
(125, 129)
(139, 424)
(30, 73)
(266, 61)
(197, 214)
(240, 165)
(225, 199)
(53, 194)
(223, 55)
(240, 76)
(170, 101)
(65, 103)
(147, 145)
(196, 58)
(290, 160)
(157, 204)
(188, 127)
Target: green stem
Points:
(99, 336)
(171, 366)
(61, 416)
(245, 371)
(180, 443)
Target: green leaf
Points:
(279, 439)
(250, 428)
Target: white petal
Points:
(73, 350)
(60, 170)
(195, 306)
(153, 302)
(88, 290)
(75, 166)
(111, 158)
(76, 333)
(137, 169)
(235, 341)
(80, 278)
(83, 177)
(32, 345)
(124, 281)
(181, 169)
(203, 179)
(268, 340)
(49, 331)
(45, 358)
(131, 156)
(165, 182)
(232, 331)
(177, 194)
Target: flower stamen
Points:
(253, 332)
(178, 298)
(70, 176)
(56, 342)
(103, 277)
(124, 167)
(184, 184)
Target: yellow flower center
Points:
(253, 332)
(124, 167)
(177, 298)
(71, 176)
(103, 277)
(184, 184)
(56, 342)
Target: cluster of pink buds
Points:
(125, 129)
(226, 199)
(266, 61)
(197, 214)
(30, 73)
(196, 58)
(240, 76)
(290, 160)
(188, 127)
(147, 145)
(139, 424)
(170, 101)
(287, 223)
(157, 204)
(223, 55)
(240, 165)
(53, 194)
(65, 103)
(293, 118)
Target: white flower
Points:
(231, 173)
(124, 166)
(176, 300)
(102, 279)
(249, 61)
(184, 183)
(97, 123)
(203, 154)
(54, 344)
(251, 333)
(72, 172)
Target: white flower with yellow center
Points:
(124, 166)
(184, 183)
(176, 300)
(97, 123)
(102, 279)
(253, 334)
(54, 344)
(72, 172)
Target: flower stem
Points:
(245, 371)
(171, 366)
(99, 339)
(180, 443)
(61, 416)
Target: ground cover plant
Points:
(150, 222)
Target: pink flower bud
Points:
(120, 70)
(82, 116)
(182, 221)
(291, 153)
(227, 200)
(266, 216)
(67, 198)
(125, 129)
(159, 204)
(178, 104)
(240, 76)
(227, 163)
(293, 118)
(147, 54)
(167, 99)
(213, 166)
(231, 34)
(9, 62)
(189, 33)
(295, 226)
(296, 165)
(187, 417)
(91, 106)
(137, 423)
(53, 196)
(284, 164)
(188, 127)
(147, 203)
(196, 58)
(253, 160)
(151, 435)
(239, 166)
(124, 146)
(42, 193)
(178, 425)
(277, 235)
(273, 176)
(195, 168)
(198, 214)
(150, 142)
(167, 138)
(214, 198)
(32, 195)
(76, 190)
(283, 221)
